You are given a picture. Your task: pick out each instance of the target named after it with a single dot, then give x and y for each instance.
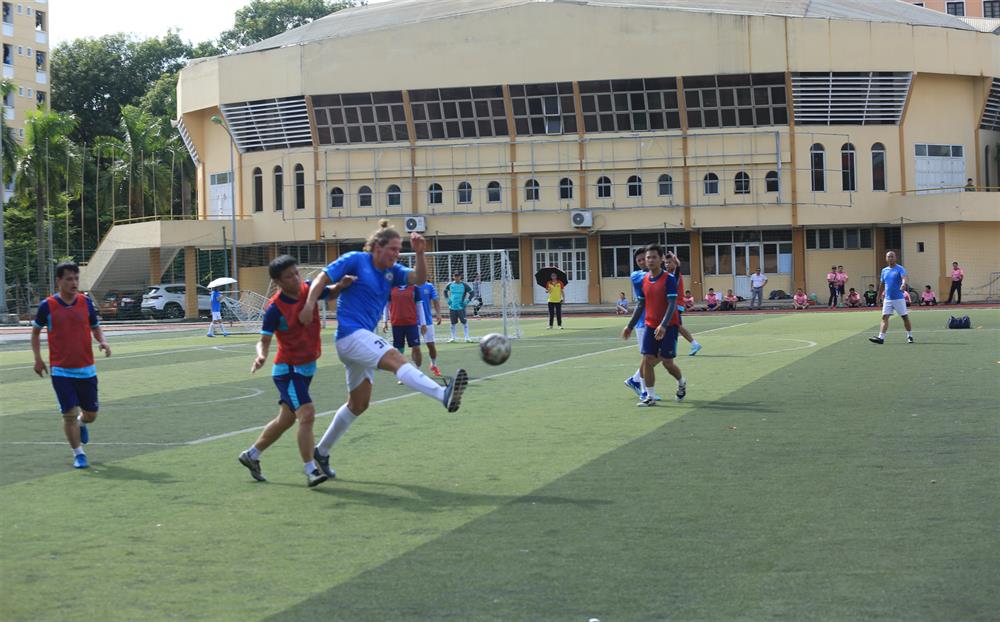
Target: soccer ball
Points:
(494, 348)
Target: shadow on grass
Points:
(117, 472)
(749, 407)
(422, 499)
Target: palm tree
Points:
(8, 160)
(47, 160)
(140, 161)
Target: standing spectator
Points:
(458, 295)
(970, 186)
(757, 283)
(621, 307)
(831, 282)
(729, 301)
(800, 300)
(688, 300)
(853, 299)
(216, 306)
(711, 300)
(928, 298)
(871, 296)
(957, 276)
(841, 283)
(555, 290)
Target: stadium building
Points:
(791, 135)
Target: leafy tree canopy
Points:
(262, 19)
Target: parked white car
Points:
(167, 301)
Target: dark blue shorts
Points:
(665, 348)
(405, 336)
(73, 392)
(294, 389)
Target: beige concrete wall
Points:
(255, 279)
(976, 247)
(857, 263)
(922, 267)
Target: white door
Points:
(942, 169)
(220, 192)
(572, 261)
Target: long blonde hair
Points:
(381, 236)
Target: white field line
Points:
(137, 356)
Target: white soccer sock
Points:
(452, 331)
(434, 363)
(637, 377)
(642, 385)
(881, 335)
(78, 451)
(682, 382)
(416, 380)
(694, 342)
(465, 327)
(254, 452)
(310, 467)
(341, 421)
(909, 333)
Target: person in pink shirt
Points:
(831, 281)
(927, 297)
(688, 300)
(729, 301)
(800, 300)
(841, 283)
(957, 276)
(853, 298)
(711, 300)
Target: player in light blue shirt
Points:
(429, 297)
(893, 284)
(216, 307)
(375, 271)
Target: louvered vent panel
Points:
(867, 98)
(991, 114)
(269, 124)
(186, 137)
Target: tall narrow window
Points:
(465, 192)
(878, 167)
(635, 186)
(336, 199)
(771, 181)
(741, 184)
(279, 189)
(665, 185)
(300, 187)
(531, 190)
(364, 196)
(565, 188)
(711, 183)
(435, 194)
(393, 195)
(848, 168)
(258, 190)
(817, 164)
(493, 192)
(603, 188)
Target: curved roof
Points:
(403, 12)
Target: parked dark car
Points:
(121, 305)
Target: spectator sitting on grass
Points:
(928, 298)
(621, 307)
(688, 300)
(800, 300)
(853, 298)
(871, 296)
(711, 300)
(729, 301)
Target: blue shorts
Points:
(73, 392)
(405, 335)
(665, 348)
(294, 389)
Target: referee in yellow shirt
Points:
(555, 290)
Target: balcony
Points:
(983, 205)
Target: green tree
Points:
(8, 143)
(262, 19)
(140, 161)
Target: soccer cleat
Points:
(468, 340)
(453, 392)
(646, 401)
(909, 339)
(657, 398)
(695, 348)
(877, 340)
(682, 390)
(80, 461)
(209, 335)
(324, 464)
(436, 371)
(315, 478)
(632, 384)
(452, 340)
(252, 465)
(84, 434)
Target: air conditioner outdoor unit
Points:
(581, 218)
(416, 224)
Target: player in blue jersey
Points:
(362, 351)
(216, 305)
(635, 382)
(459, 295)
(429, 297)
(893, 283)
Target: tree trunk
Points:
(41, 261)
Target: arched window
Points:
(771, 181)
(741, 184)
(848, 168)
(635, 186)
(393, 195)
(817, 167)
(565, 188)
(336, 199)
(603, 188)
(665, 185)
(493, 192)
(711, 183)
(300, 187)
(258, 190)
(435, 195)
(364, 196)
(465, 192)
(279, 189)
(531, 190)
(878, 167)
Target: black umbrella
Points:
(544, 275)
